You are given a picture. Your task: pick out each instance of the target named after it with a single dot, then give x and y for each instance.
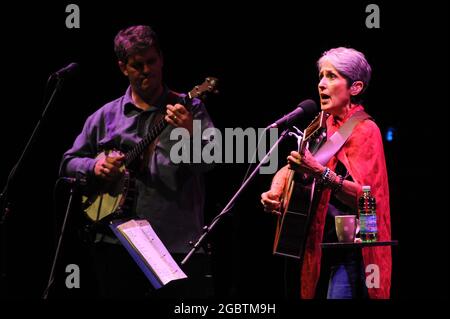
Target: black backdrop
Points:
(264, 56)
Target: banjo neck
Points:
(209, 85)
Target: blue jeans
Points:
(347, 281)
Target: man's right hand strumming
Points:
(108, 168)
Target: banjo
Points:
(112, 199)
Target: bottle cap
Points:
(366, 188)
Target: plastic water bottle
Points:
(367, 216)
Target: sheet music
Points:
(142, 236)
(175, 270)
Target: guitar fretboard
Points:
(312, 133)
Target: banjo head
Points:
(110, 196)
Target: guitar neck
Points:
(313, 133)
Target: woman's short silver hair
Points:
(350, 63)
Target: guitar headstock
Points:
(314, 133)
(316, 126)
(209, 85)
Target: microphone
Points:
(306, 108)
(74, 181)
(67, 70)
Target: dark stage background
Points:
(264, 56)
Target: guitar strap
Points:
(335, 142)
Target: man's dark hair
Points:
(134, 40)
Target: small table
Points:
(360, 245)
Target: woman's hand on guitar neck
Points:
(305, 163)
(108, 167)
(271, 202)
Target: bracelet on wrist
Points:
(330, 179)
(338, 186)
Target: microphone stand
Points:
(5, 205)
(51, 278)
(207, 229)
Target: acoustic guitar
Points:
(112, 199)
(300, 197)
